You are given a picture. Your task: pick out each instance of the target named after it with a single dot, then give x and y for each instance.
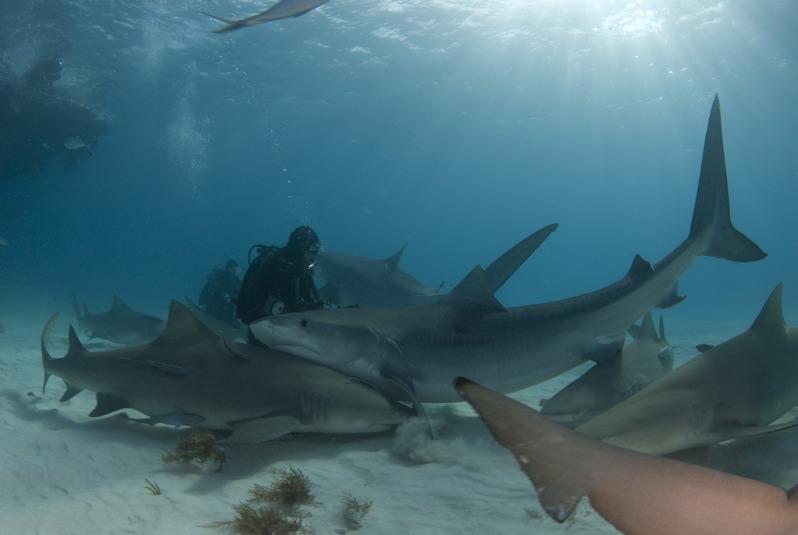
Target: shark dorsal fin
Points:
(639, 267)
(662, 338)
(771, 317)
(118, 304)
(75, 345)
(473, 290)
(392, 262)
(183, 327)
(647, 329)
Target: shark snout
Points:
(283, 338)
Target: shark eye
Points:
(304, 322)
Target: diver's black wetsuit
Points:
(275, 283)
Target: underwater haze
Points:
(456, 127)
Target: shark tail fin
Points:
(557, 460)
(46, 357)
(711, 213)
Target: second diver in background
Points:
(218, 296)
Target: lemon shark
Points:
(380, 283)
(121, 324)
(191, 376)
(645, 359)
(283, 9)
(735, 389)
(638, 494)
(468, 332)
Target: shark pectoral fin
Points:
(171, 369)
(107, 403)
(731, 430)
(606, 349)
(71, 392)
(406, 389)
(176, 419)
(262, 429)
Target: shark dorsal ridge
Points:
(771, 317)
(183, 327)
(118, 303)
(392, 262)
(647, 329)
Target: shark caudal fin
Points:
(711, 213)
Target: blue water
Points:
(455, 126)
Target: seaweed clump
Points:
(262, 520)
(290, 490)
(273, 510)
(355, 511)
(197, 447)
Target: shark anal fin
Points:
(176, 419)
(171, 369)
(108, 403)
(262, 429)
(71, 392)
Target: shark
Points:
(639, 494)
(380, 283)
(283, 9)
(735, 389)
(468, 332)
(370, 282)
(645, 359)
(120, 324)
(191, 376)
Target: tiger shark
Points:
(352, 280)
(645, 359)
(638, 494)
(469, 333)
(121, 324)
(735, 389)
(283, 9)
(191, 376)
(380, 283)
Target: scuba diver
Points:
(218, 296)
(280, 279)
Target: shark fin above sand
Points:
(183, 327)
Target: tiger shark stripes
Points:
(469, 333)
(638, 494)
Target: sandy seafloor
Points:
(64, 473)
